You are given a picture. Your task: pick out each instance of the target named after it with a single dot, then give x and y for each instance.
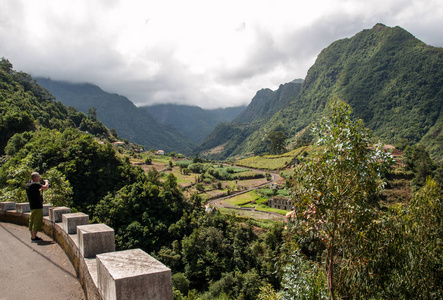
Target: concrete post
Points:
(55, 213)
(133, 274)
(46, 208)
(7, 205)
(22, 207)
(71, 221)
(94, 239)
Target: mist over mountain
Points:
(391, 80)
(117, 112)
(193, 122)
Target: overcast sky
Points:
(206, 53)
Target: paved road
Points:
(219, 202)
(34, 270)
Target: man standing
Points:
(35, 198)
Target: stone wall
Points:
(281, 203)
(102, 272)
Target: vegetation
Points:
(115, 111)
(334, 192)
(418, 161)
(273, 162)
(266, 102)
(93, 170)
(277, 139)
(342, 245)
(346, 240)
(390, 79)
(211, 255)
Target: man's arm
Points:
(46, 186)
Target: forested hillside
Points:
(211, 255)
(226, 139)
(392, 81)
(41, 134)
(344, 241)
(193, 122)
(267, 102)
(26, 106)
(130, 122)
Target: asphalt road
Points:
(219, 202)
(34, 270)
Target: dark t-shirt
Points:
(34, 196)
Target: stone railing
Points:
(103, 272)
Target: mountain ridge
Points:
(391, 80)
(193, 122)
(225, 140)
(267, 102)
(118, 112)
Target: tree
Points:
(417, 159)
(92, 113)
(277, 139)
(197, 159)
(6, 65)
(60, 191)
(424, 232)
(334, 193)
(199, 186)
(114, 133)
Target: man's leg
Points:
(35, 222)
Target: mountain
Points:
(117, 112)
(193, 122)
(25, 106)
(227, 114)
(391, 80)
(226, 139)
(267, 102)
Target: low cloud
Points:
(213, 58)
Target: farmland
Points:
(273, 162)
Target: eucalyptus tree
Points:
(335, 192)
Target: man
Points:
(35, 198)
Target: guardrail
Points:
(103, 272)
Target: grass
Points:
(235, 169)
(272, 162)
(265, 162)
(161, 159)
(253, 199)
(244, 198)
(240, 215)
(269, 209)
(270, 192)
(184, 180)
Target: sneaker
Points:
(36, 240)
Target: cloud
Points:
(210, 54)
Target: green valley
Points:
(326, 188)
